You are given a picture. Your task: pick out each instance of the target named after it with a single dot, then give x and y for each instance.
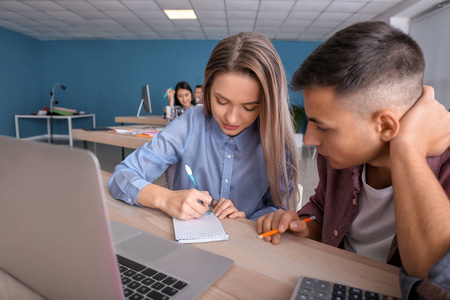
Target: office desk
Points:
(112, 138)
(48, 118)
(150, 120)
(261, 270)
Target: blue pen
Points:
(191, 176)
(165, 95)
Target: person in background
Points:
(181, 96)
(198, 94)
(239, 145)
(384, 161)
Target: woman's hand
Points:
(225, 208)
(185, 205)
(171, 96)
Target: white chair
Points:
(300, 200)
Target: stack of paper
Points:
(64, 111)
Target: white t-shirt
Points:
(373, 230)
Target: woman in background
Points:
(181, 96)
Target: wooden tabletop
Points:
(112, 138)
(152, 120)
(263, 270)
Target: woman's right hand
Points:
(171, 96)
(184, 204)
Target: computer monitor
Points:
(145, 101)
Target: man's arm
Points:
(422, 208)
(422, 212)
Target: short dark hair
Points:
(362, 57)
(185, 86)
(198, 86)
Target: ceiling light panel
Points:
(176, 14)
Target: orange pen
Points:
(261, 236)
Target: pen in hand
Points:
(272, 232)
(165, 95)
(191, 176)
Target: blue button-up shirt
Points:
(226, 167)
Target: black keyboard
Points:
(314, 289)
(140, 282)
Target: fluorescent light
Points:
(180, 14)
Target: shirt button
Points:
(231, 140)
(354, 201)
(229, 156)
(226, 180)
(129, 200)
(336, 233)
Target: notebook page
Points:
(206, 229)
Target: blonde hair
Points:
(251, 53)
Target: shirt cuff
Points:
(436, 286)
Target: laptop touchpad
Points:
(147, 247)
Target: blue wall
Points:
(105, 77)
(20, 78)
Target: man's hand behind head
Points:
(425, 128)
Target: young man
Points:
(361, 88)
(198, 94)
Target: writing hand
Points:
(184, 204)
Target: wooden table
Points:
(112, 138)
(150, 120)
(261, 270)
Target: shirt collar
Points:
(240, 140)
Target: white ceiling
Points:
(295, 20)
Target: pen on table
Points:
(265, 234)
(165, 95)
(191, 176)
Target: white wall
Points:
(432, 33)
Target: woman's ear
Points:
(388, 124)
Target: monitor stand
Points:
(140, 107)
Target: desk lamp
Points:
(52, 98)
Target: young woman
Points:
(181, 96)
(240, 144)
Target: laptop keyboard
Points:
(140, 282)
(314, 289)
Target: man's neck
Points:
(378, 175)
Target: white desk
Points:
(68, 118)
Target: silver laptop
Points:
(56, 238)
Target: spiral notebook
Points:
(204, 230)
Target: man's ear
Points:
(387, 124)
